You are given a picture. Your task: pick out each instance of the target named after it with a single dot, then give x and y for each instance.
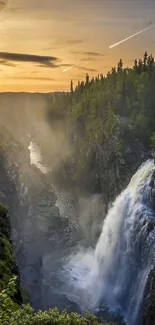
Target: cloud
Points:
(93, 54)
(40, 78)
(86, 69)
(7, 63)
(44, 61)
(149, 23)
(3, 4)
(89, 59)
(48, 48)
(51, 65)
(13, 9)
(66, 65)
(74, 41)
(32, 78)
(89, 54)
(61, 43)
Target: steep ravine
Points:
(47, 228)
(44, 225)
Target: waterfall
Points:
(116, 271)
(36, 158)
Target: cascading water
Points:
(116, 271)
(36, 158)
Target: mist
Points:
(25, 117)
(62, 220)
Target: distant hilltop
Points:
(25, 100)
(15, 94)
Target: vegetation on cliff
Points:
(13, 314)
(8, 267)
(7, 260)
(110, 122)
(11, 310)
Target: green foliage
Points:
(105, 116)
(7, 304)
(7, 260)
(3, 210)
(25, 295)
(13, 314)
(153, 141)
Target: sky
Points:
(39, 39)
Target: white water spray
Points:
(36, 158)
(116, 271)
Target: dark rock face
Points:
(107, 167)
(39, 231)
(147, 315)
(148, 308)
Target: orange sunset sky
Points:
(41, 38)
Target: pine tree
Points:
(135, 65)
(120, 66)
(150, 63)
(71, 87)
(87, 78)
(113, 71)
(145, 60)
(140, 66)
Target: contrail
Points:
(70, 67)
(126, 39)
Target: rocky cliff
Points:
(148, 305)
(41, 230)
(148, 308)
(46, 225)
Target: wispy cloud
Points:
(50, 65)
(74, 41)
(66, 65)
(32, 78)
(3, 4)
(86, 69)
(89, 58)
(7, 63)
(149, 23)
(93, 54)
(62, 43)
(89, 54)
(43, 61)
(13, 9)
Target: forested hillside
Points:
(111, 122)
